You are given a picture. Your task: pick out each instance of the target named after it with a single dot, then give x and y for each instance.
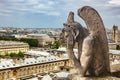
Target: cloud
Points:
(2, 14)
(56, 7)
(53, 13)
(30, 6)
(41, 6)
(108, 9)
(112, 7)
(33, 2)
(114, 2)
(5, 11)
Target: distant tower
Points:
(115, 34)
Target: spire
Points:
(70, 18)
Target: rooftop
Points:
(114, 51)
(40, 35)
(37, 53)
(75, 50)
(9, 63)
(11, 43)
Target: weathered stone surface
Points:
(61, 79)
(95, 78)
(100, 57)
(93, 57)
(77, 77)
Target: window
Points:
(3, 66)
(7, 65)
(8, 75)
(3, 76)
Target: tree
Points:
(118, 47)
(31, 42)
(13, 55)
(6, 55)
(57, 44)
(17, 55)
(9, 39)
(20, 54)
(50, 45)
(2, 56)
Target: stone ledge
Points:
(77, 77)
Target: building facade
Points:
(7, 47)
(114, 56)
(116, 34)
(112, 46)
(30, 70)
(43, 39)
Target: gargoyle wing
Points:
(96, 28)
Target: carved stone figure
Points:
(93, 54)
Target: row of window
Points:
(114, 56)
(12, 48)
(7, 47)
(31, 70)
(39, 68)
(5, 75)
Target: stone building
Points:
(7, 47)
(116, 34)
(31, 67)
(43, 39)
(113, 37)
(114, 56)
(112, 45)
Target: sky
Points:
(53, 13)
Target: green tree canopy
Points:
(118, 47)
(13, 55)
(17, 55)
(56, 44)
(20, 54)
(31, 42)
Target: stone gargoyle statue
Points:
(93, 57)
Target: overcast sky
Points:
(53, 13)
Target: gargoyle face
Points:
(63, 37)
(69, 34)
(66, 32)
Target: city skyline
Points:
(53, 13)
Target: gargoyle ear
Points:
(75, 33)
